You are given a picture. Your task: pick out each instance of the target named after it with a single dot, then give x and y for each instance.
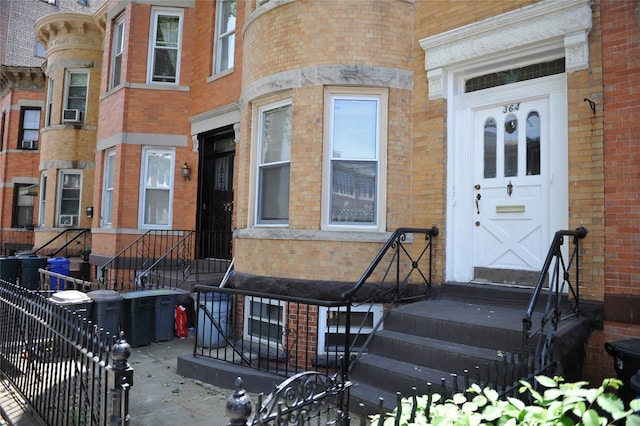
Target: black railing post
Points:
(120, 380)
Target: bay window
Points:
(157, 188)
(225, 35)
(108, 187)
(354, 159)
(274, 157)
(69, 198)
(165, 41)
(117, 49)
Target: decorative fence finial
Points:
(238, 406)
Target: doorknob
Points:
(509, 189)
(476, 186)
(478, 196)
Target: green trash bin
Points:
(164, 314)
(107, 307)
(9, 269)
(137, 317)
(29, 275)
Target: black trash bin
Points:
(626, 361)
(164, 314)
(107, 306)
(29, 275)
(137, 317)
(9, 268)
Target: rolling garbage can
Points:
(213, 319)
(59, 265)
(9, 267)
(74, 300)
(29, 265)
(626, 361)
(137, 317)
(106, 309)
(164, 302)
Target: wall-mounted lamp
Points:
(90, 211)
(186, 171)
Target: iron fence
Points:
(67, 370)
(279, 334)
(16, 240)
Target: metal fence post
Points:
(238, 406)
(120, 380)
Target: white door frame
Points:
(460, 199)
(539, 32)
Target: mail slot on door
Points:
(510, 209)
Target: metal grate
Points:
(515, 75)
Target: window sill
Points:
(219, 75)
(303, 235)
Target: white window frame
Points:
(108, 182)
(24, 129)
(117, 49)
(221, 38)
(43, 198)
(151, 60)
(260, 165)
(67, 86)
(61, 188)
(323, 329)
(352, 93)
(47, 118)
(248, 317)
(144, 186)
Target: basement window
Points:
(332, 328)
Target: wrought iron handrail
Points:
(79, 232)
(163, 259)
(558, 282)
(396, 242)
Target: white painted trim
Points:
(555, 26)
(459, 256)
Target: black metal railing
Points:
(68, 243)
(16, 240)
(401, 263)
(561, 289)
(163, 259)
(401, 271)
(67, 370)
(272, 333)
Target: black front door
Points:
(215, 193)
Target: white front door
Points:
(511, 195)
(507, 180)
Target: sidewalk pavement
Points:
(159, 396)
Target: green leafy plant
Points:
(84, 254)
(559, 404)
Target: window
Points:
(107, 192)
(29, 128)
(69, 196)
(164, 54)
(116, 51)
(4, 116)
(22, 206)
(47, 118)
(274, 153)
(225, 35)
(265, 320)
(76, 94)
(354, 183)
(41, 52)
(157, 184)
(332, 327)
(43, 199)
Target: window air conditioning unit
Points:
(68, 220)
(28, 144)
(71, 116)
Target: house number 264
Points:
(511, 108)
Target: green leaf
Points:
(459, 399)
(519, 405)
(591, 418)
(633, 420)
(610, 403)
(547, 382)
